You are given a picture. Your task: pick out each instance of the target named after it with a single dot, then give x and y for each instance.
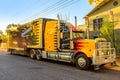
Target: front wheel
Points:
(82, 62)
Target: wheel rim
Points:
(32, 54)
(81, 62)
(38, 57)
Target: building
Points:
(107, 10)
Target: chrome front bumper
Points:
(103, 56)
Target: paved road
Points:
(14, 67)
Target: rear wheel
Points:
(32, 54)
(82, 62)
(12, 51)
(39, 55)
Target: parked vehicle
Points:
(61, 41)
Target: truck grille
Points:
(103, 45)
(104, 49)
(103, 53)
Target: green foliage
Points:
(107, 30)
(117, 42)
(2, 37)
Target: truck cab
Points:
(89, 52)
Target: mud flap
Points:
(97, 67)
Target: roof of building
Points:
(104, 2)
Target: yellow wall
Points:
(104, 12)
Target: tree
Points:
(1, 36)
(107, 30)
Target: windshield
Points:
(77, 34)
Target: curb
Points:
(113, 67)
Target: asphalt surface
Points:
(14, 67)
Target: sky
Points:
(22, 11)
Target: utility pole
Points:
(112, 19)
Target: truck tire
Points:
(39, 55)
(82, 62)
(32, 54)
(12, 51)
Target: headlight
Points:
(101, 53)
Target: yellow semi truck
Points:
(61, 41)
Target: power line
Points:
(58, 7)
(27, 6)
(46, 9)
(52, 9)
(64, 6)
(61, 4)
